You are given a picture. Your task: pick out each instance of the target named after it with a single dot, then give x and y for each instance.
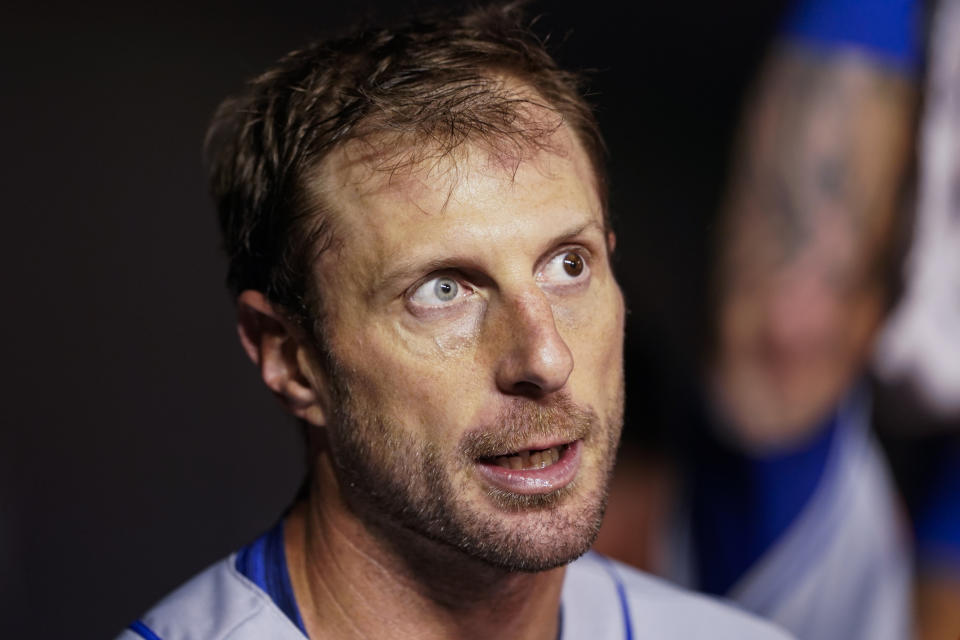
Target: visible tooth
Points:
(530, 459)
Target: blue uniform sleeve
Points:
(888, 29)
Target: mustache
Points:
(522, 421)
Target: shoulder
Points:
(603, 599)
(217, 604)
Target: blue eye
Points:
(438, 291)
(445, 289)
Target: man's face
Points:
(475, 331)
(793, 335)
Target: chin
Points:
(530, 533)
(533, 550)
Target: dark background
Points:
(137, 443)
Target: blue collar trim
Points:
(264, 562)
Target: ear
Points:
(276, 345)
(611, 242)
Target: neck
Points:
(354, 580)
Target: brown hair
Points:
(435, 82)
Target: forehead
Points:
(454, 202)
(437, 180)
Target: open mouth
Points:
(529, 459)
(533, 471)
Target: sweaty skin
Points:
(470, 313)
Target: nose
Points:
(534, 360)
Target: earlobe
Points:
(273, 342)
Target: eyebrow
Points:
(410, 269)
(570, 234)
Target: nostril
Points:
(533, 369)
(526, 388)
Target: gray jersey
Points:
(601, 600)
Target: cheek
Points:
(740, 324)
(593, 329)
(442, 338)
(458, 337)
(421, 384)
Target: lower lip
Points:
(535, 481)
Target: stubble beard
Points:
(389, 480)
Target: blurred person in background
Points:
(787, 503)
(792, 510)
(786, 476)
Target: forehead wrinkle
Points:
(351, 178)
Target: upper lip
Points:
(535, 446)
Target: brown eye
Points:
(573, 264)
